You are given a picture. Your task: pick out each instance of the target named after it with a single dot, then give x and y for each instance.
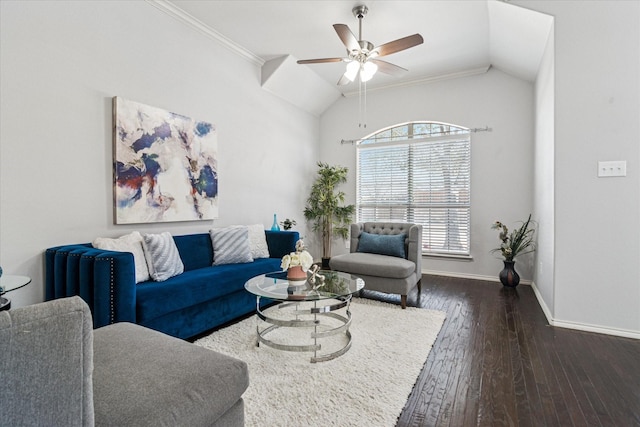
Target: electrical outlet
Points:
(613, 168)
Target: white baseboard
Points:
(469, 276)
(542, 303)
(586, 327)
(625, 333)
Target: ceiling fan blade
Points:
(398, 45)
(319, 60)
(347, 37)
(389, 68)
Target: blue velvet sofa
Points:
(201, 298)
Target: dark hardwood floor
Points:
(496, 362)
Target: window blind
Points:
(425, 180)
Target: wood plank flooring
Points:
(497, 362)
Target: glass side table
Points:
(10, 283)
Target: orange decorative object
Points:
(296, 273)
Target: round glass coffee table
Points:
(305, 305)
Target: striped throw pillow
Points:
(230, 245)
(162, 256)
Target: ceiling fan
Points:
(362, 56)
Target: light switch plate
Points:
(612, 168)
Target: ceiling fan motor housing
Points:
(365, 49)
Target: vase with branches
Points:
(325, 207)
(519, 242)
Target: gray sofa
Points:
(57, 371)
(380, 264)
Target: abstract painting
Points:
(165, 165)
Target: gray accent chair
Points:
(57, 371)
(385, 273)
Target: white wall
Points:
(501, 160)
(596, 117)
(62, 62)
(544, 173)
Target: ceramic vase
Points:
(508, 276)
(296, 274)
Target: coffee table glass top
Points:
(10, 283)
(276, 286)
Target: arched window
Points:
(418, 172)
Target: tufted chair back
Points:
(412, 242)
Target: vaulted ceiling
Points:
(460, 37)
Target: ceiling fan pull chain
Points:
(365, 105)
(359, 103)
(362, 104)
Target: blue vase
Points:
(275, 226)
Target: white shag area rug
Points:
(367, 386)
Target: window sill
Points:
(448, 256)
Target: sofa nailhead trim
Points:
(112, 314)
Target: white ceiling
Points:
(459, 36)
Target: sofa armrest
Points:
(356, 230)
(281, 243)
(414, 248)
(47, 364)
(104, 279)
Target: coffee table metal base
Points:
(319, 313)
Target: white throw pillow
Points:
(231, 245)
(258, 241)
(131, 242)
(162, 256)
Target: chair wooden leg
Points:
(420, 286)
(403, 301)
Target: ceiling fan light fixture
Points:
(368, 70)
(352, 70)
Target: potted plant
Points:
(518, 242)
(287, 224)
(325, 210)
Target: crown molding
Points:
(182, 16)
(425, 80)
